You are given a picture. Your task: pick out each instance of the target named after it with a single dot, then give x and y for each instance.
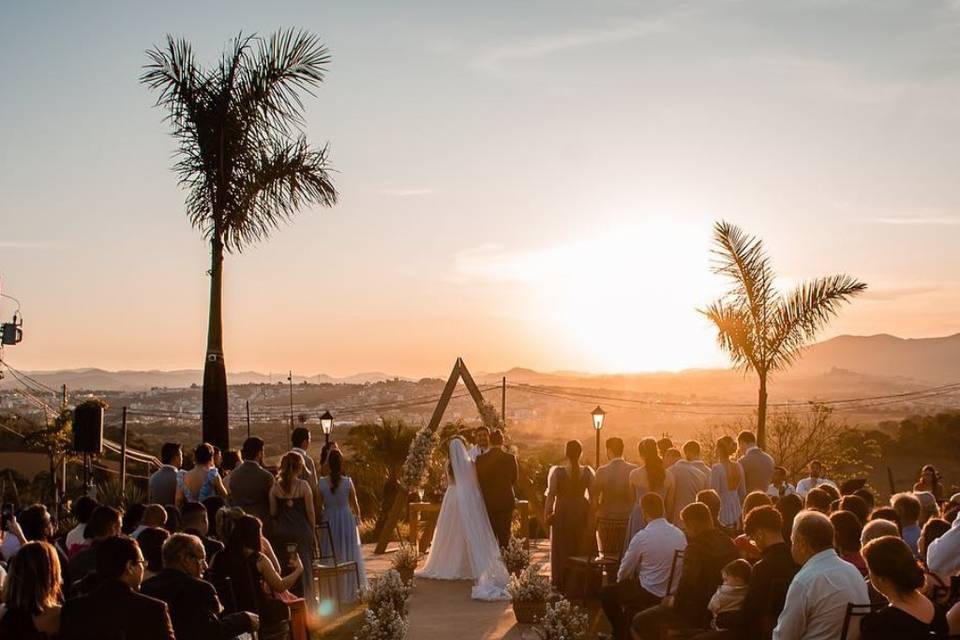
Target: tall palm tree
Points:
(242, 156)
(761, 329)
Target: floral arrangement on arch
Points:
(388, 591)
(418, 459)
(563, 621)
(382, 624)
(529, 586)
(515, 557)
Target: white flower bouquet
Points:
(382, 624)
(418, 459)
(389, 590)
(563, 621)
(515, 557)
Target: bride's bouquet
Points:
(418, 459)
(563, 621)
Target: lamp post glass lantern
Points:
(326, 423)
(597, 415)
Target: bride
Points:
(464, 547)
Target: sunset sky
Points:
(522, 183)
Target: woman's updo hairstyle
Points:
(889, 557)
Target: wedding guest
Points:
(612, 498)
(213, 504)
(172, 524)
(82, 509)
(877, 529)
(727, 479)
(933, 529)
(203, 480)
(162, 486)
(789, 507)
(757, 464)
(300, 441)
(154, 515)
(813, 480)
(195, 521)
(929, 480)
(886, 513)
(817, 500)
(846, 541)
(195, 609)
(151, 544)
(867, 496)
(497, 473)
(755, 499)
(895, 572)
(250, 483)
(908, 508)
(325, 454)
(685, 479)
(650, 476)
(645, 569)
(857, 506)
(664, 444)
(943, 554)
(831, 490)
(104, 523)
(231, 458)
(779, 487)
(35, 525)
(817, 599)
(115, 609)
(567, 512)
(671, 457)
(13, 539)
(256, 583)
(730, 595)
(341, 510)
(929, 507)
(294, 518)
(32, 594)
(132, 517)
(745, 546)
(711, 498)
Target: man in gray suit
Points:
(757, 465)
(611, 495)
(250, 483)
(300, 439)
(685, 479)
(162, 487)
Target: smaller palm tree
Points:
(761, 329)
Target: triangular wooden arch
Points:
(458, 373)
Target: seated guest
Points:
(847, 531)
(877, 529)
(162, 487)
(151, 542)
(936, 587)
(816, 602)
(711, 498)
(867, 496)
(250, 483)
(33, 524)
(708, 551)
(831, 490)
(645, 568)
(195, 522)
(253, 574)
(932, 530)
(203, 480)
(745, 546)
(857, 506)
(82, 510)
(154, 515)
(813, 480)
(779, 487)
(908, 508)
(173, 518)
(213, 504)
(104, 523)
(817, 500)
(32, 594)
(943, 554)
(886, 513)
(195, 609)
(895, 572)
(789, 507)
(115, 609)
(131, 518)
(729, 596)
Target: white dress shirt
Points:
(774, 492)
(805, 485)
(650, 555)
(943, 554)
(75, 536)
(817, 599)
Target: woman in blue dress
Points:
(342, 512)
(726, 478)
(649, 476)
(294, 521)
(202, 481)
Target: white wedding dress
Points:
(464, 547)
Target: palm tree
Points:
(242, 156)
(762, 330)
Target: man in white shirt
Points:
(818, 596)
(779, 487)
(82, 509)
(685, 479)
(943, 554)
(645, 568)
(814, 480)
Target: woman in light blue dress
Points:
(342, 511)
(726, 478)
(202, 481)
(649, 476)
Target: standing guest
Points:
(708, 551)
(650, 476)
(154, 515)
(789, 507)
(162, 487)
(567, 512)
(664, 444)
(727, 479)
(250, 483)
(814, 479)
(857, 506)
(194, 606)
(687, 477)
(341, 510)
(195, 522)
(908, 508)
(846, 539)
(817, 500)
(231, 458)
(670, 457)
(32, 594)
(612, 496)
(151, 542)
(82, 510)
(645, 569)
(325, 453)
(294, 518)
(818, 596)
(779, 487)
(104, 523)
(711, 498)
(757, 464)
(895, 572)
(497, 473)
(116, 609)
(203, 480)
(300, 441)
(929, 480)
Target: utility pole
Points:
(290, 380)
(63, 399)
(123, 453)
(248, 418)
(503, 401)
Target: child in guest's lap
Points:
(731, 593)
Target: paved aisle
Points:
(443, 609)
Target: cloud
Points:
(939, 221)
(407, 193)
(14, 244)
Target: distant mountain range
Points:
(879, 361)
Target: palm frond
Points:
(742, 258)
(805, 312)
(735, 333)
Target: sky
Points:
(521, 183)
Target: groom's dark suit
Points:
(497, 472)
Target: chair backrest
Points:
(323, 530)
(675, 569)
(224, 589)
(858, 611)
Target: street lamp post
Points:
(597, 415)
(326, 423)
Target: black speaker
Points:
(88, 428)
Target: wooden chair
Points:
(326, 566)
(611, 537)
(676, 566)
(228, 598)
(858, 611)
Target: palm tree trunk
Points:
(762, 413)
(215, 427)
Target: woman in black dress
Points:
(567, 512)
(896, 574)
(294, 519)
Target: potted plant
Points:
(389, 590)
(529, 592)
(404, 561)
(562, 621)
(515, 557)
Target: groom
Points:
(497, 473)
